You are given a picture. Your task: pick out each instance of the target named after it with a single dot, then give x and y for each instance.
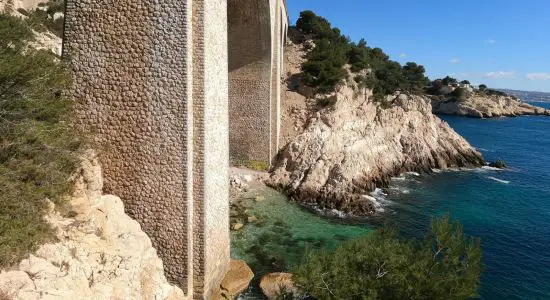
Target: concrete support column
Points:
(250, 75)
(275, 77)
(210, 146)
(150, 85)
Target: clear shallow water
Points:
(509, 210)
(284, 230)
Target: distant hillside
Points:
(529, 96)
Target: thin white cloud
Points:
(491, 41)
(403, 55)
(454, 60)
(538, 76)
(500, 75)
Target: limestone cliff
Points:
(43, 40)
(349, 148)
(100, 253)
(479, 105)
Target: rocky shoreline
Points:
(350, 148)
(486, 106)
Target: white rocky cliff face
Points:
(487, 106)
(356, 145)
(101, 253)
(42, 40)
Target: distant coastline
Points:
(528, 96)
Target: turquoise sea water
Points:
(509, 210)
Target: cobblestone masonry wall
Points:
(249, 35)
(151, 86)
(254, 77)
(150, 83)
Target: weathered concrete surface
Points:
(151, 85)
(150, 81)
(257, 31)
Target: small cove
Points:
(509, 210)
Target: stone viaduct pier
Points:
(168, 90)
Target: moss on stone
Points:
(258, 165)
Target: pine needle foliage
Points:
(324, 65)
(38, 146)
(446, 264)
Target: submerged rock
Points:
(356, 145)
(237, 226)
(498, 164)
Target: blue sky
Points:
(502, 43)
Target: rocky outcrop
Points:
(486, 106)
(273, 285)
(42, 40)
(355, 145)
(20, 4)
(100, 253)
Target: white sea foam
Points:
(378, 206)
(338, 213)
(413, 174)
(489, 168)
(499, 180)
(436, 170)
(400, 178)
(378, 192)
(401, 190)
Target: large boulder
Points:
(275, 284)
(236, 280)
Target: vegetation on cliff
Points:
(37, 144)
(45, 18)
(324, 68)
(446, 264)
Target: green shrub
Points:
(42, 19)
(319, 27)
(460, 94)
(358, 56)
(37, 144)
(258, 165)
(449, 80)
(445, 265)
(324, 65)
